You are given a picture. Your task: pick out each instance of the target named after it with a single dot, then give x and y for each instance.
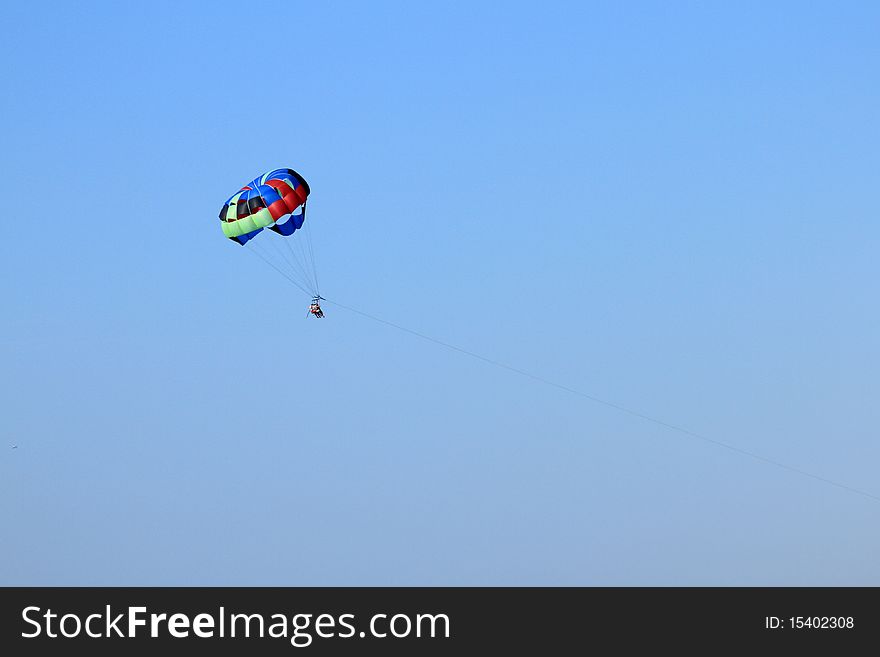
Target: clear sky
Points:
(671, 206)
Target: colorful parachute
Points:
(262, 203)
(277, 201)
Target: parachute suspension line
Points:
(296, 268)
(307, 226)
(282, 254)
(618, 407)
(301, 249)
(299, 255)
(280, 271)
(257, 248)
(263, 251)
(294, 256)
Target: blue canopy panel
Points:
(242, 239)
(288, 227)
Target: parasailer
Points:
(315, 307)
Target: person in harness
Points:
(315, 307)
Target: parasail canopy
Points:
(268, 201)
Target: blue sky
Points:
(671, 206)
